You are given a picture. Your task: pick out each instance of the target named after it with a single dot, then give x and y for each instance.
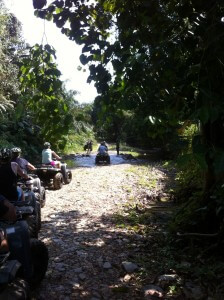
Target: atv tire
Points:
(38, 215)
(42, 197)
(63, 170)
(97, 160)
(39, 261)
(32, 221)
(68, 177)
(37, 184)
(16, 290)
(38, 210)
(58, 181)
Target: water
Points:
(89, 161)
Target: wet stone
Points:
(107, 265)
(78, 270)
(129, 266)
(82, 276)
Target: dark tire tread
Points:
(39, 260)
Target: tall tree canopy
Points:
(43, 94)
(12, 45)
(162, 59)
(34, 103)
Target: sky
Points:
(36, 30)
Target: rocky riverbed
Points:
(91, 257)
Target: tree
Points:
(43, 94)
(162, 59)
(12, 45)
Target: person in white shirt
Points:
(48, 155)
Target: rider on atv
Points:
(8, 177)
(7, 210)
(26, 168)
(102, 155)
(103, 149)
(48, 155)
(22, 162)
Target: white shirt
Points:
(46, 156)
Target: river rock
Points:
(152, 290)
(129, 266)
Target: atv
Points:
(23, 260)
(30, 209)
(102, 158)
(54, 177)
(35, 185)
(11, 286)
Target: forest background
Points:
(158, 70)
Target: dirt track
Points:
(86, 248)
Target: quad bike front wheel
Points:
(58, 181)
(39, 261)
(68, 177)
(38, 215)
(42, 197)
(32, 222)
(67, 174)
(97, 160)
(37, 209)
(37, 183)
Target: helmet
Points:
(46, 144)
(5, 154)
(16, 150)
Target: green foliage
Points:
(21, 133)
(189, 176)
(162, 64)
(147, 176)
(12, 45)
(189, 164)
(189, 216)
(16, 129)
(166, 60)
(34, 103)
(76, 141)
(43, 94)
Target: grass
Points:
(147, 178)
(77, 141)
(165, 253)
(126, 149)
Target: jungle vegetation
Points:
(158, 69)
(34, 103)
